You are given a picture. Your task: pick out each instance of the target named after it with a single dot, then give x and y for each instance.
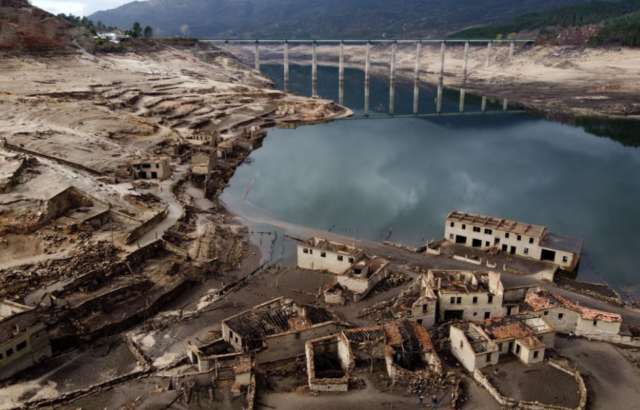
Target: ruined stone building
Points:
(478, 345)
(567, 317)
(403, 346)
(466, 295)
(152, 168)
(278, 329)
(329, 363)
(363, 276)
(235, 369)
(516, 238)
(322, 254)
(203, 163)
(24, 341)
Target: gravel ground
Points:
(532, 382)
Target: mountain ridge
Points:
(318, 19)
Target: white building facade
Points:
(516, 238)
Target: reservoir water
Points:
(363, 177)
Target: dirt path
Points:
(612, 381)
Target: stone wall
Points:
(292, 344)
(146, 226)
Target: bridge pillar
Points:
(442, 49)
(462, 94)
(439, 98)
(226, 46)
(392, 75)
(505, 105)
(341, 75)
(483, 107)
(257, 52)
(314, 69)
(367, 65)
(286, 65)
(366, 79)
(511, 48)
(465, 62)
(487, 62)
(416, 82)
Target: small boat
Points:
(380, 108)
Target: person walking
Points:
(434, 401)
(571, 335)
(421, 398)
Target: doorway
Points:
(461, 239)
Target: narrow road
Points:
(163, 191)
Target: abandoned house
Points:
(235, 369)
(364, 275)
(417, 303)
(329, 361)
(24, 341)
(152, 168)
(516, 238)
(203, 163)
(334, 294)
(566, 316)
(403, 346)
(409, 349)
(467, 295)
(278, 329)
(478, 345)
(322, 254)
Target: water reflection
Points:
(364, 177)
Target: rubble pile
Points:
(26, 279)
(394, 280)
(422, 381)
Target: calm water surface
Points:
(363, 177)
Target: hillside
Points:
(27, 28)
(576, 15)
(320, 19)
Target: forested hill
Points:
(318, 18)
(576, 15)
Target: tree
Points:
(148, 32)
(184, 29)
(499, 36)
(136, 30)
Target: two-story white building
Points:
(323, 254)
(467, 295)
(516, 238)
(152, 168)
(24, 340)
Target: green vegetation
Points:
(77, 21)
(569, 16)
(624, 31)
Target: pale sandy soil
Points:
(578, 79)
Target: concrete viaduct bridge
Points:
(369, 42)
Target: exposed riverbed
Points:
(368, 178)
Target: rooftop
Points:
(519, 327)
(150, 160)
(276, 317)
(479, 340)
(375, 265)
(408, 336)
(459, 281)
(327, 245)
(536, 231)
(543, 299)
(8, 309)
(562, 243)
(365, 334)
